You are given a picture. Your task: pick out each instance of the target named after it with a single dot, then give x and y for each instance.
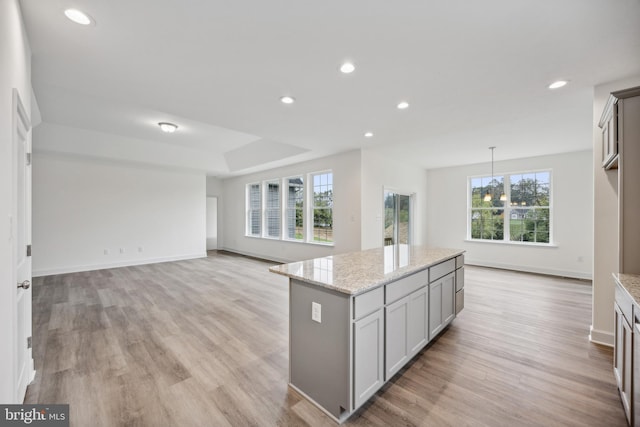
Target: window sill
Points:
(508, 243)
(331, 244)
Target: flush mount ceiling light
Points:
(287, 99)
(368, 134)
(403, 105)
(347, 68)
(78, 16)
(168, 127)
(558, 84)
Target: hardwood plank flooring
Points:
(205, 343)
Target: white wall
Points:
(379, 172)
(82, 207)
(346, 213)
(15, 72)
(572, 218)
(606, 222)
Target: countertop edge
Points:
(402, 273)
(630, 289)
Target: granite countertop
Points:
(631, 282)
(356, 272)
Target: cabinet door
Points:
(448, 298)
(610, 139)
(618, 345)
(396, 343)
(435, 308)
(417, 324)
(442, 303)
(627, 370)
(623, 359)
(368, 360)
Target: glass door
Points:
(397, 225)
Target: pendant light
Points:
(487, 195)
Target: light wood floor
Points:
(204, 343)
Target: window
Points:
(517, 212)
(294, 209)
(323, 207)
(254, 206)
(285, 208)
(272, 209)
(529, 214)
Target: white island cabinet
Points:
(356, 319)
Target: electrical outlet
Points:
(140, 249)
(106, 251)
(316, 312)
(121, 250)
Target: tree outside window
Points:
(523, 216)
(323, 207)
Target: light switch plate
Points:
(316, 312)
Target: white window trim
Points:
(507, 210)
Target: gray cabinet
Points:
(441, 303)
(406, 330)
(368, 356)
(623, 362)
(623, 352)
(609, 131)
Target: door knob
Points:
(24, 285)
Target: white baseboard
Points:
(259, 256)
(600, 337)
(529, 269)
(79, 268)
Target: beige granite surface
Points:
(631, 282)
(355, 272)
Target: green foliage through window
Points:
(524, 215)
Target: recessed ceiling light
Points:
(78, 16)
(347, 68)
(558, 84)
(403, 105)
(287, 100)
(368, 134)
(168, 127)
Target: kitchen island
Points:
(356, 319)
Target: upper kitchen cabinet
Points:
(612, 124)
(608, 126)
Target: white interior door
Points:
(212, 223)
(24, 371)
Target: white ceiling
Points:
(474, 72)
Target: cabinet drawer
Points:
(625, 303)
(368, 302)
(459, 261)
(405, 286)
(442, 269)
(459, 279)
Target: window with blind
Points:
(254, 210)
(272, 209)
(298, 208)
(294, 208)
